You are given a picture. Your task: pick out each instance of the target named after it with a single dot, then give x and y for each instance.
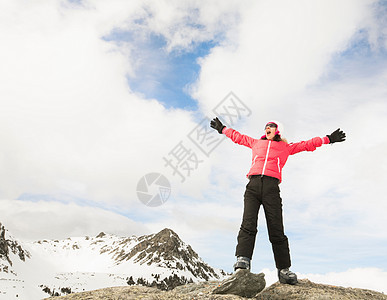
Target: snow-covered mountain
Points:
(20, 275)
(87, 263)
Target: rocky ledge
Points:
(305, 289)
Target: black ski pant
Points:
(263, 190)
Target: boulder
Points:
(242, 283)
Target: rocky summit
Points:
(304, 290)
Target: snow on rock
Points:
(19, 273)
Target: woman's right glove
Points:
(217, 125)
(336, 136)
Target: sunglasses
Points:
(271, 125)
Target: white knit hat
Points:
(280, 127)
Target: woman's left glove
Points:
(217, 125)
(336, 136)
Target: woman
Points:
(270, 154)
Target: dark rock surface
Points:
(242, 283)
(7, 246)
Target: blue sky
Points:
(359, 57)
(162, 74)
(91, 120)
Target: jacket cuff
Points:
(224, 128)
(325, 140)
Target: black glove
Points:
(336, 136)
(217, 125)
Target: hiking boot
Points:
(287, 276)
(242, 263)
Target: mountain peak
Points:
(101, 235)
(167, 237)
(165, 249)
(167, 232)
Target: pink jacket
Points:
(269, 157)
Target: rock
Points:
(9, 247)
(242, 283)
(307, 290)
(201, 291)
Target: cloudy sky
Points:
(97, 94)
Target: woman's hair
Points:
(277, 138)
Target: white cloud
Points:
(69, 121)
(33, 221)
(184, 24)
(280, 48)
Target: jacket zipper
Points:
(278, 164)
(267, 155)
